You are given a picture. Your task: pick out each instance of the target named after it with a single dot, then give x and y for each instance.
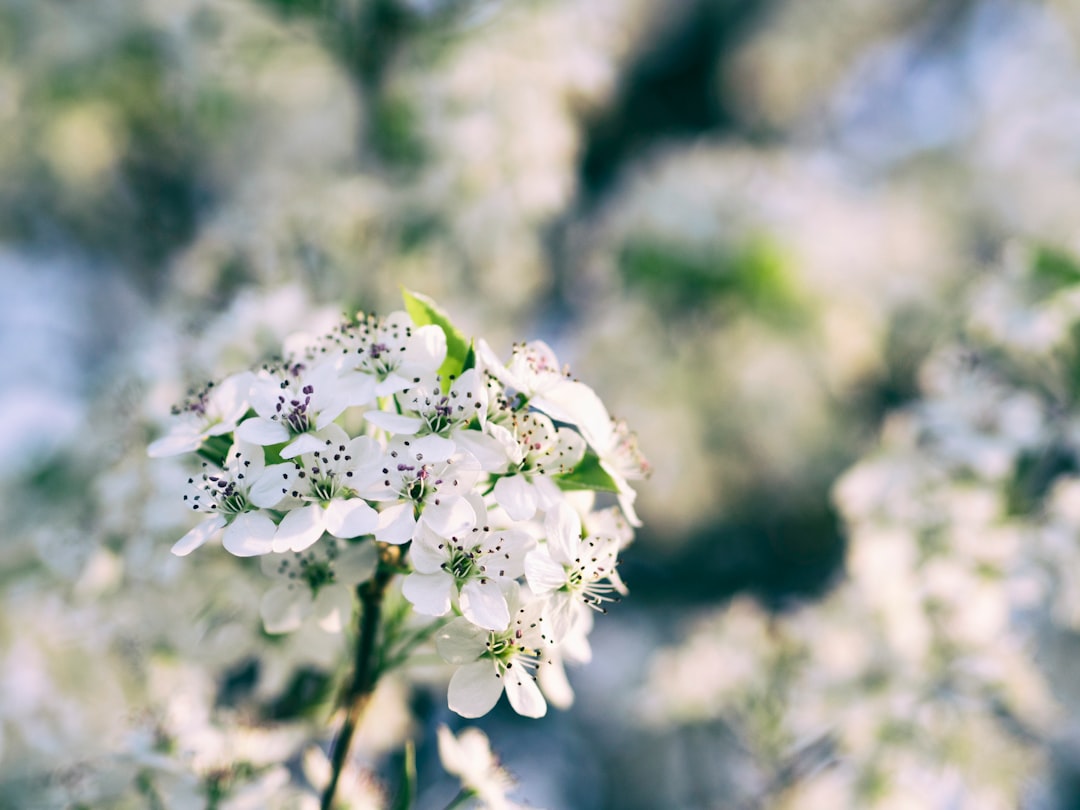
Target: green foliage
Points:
(680, 277)
(406, 795)
(216, 449)
(1053, 269)
(424, 311)
(588, 474)
(395, 131)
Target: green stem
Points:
(366, 670)
(461, 798)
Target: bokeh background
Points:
(818, 253)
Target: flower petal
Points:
(449, 517)
(260, 430)
(489, 451)
(356, 563)
(270, 488)
(484, 605)
(197, 536)
(350, 518)
(284, 607)
(461, 642)
(300, 528)
(429, 552)
(563, 527)
(555, 685)
(174, 443)
(474, 689)
(395, 423)
(523, 693)
(333, 607)
(249, 535)
(304, 443)
(543, 573)
(396, 524)
(429, 593)
(517, 496)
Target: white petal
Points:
(264, 395)
(543, 573)
(489, 451)
(172, 444)
(429, 593)
(259, 430)
(516, 496)
(561, 613)
(461, 641)
(428, 552)
(563, 527)
(197, 536)
(555, 685)
(484, 605)
(450, 517)
(270, 488)
(333, 608)
(356, 563)
(396, 524)
(395, 423)
(350, 518)
(391, 384)
(474, 689)
(548, 494)
(230, 398)
(250, 534)
(284, 607)
(357, 388)
(626, 501)
(577, 404)
(304, 443)
(523, 693)
(505, 552)
(300, 528)
(426, 348)
(432, 449)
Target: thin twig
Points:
(366, 670)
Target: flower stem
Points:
(366, 671)
(461, 799)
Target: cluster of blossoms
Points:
(395, 446)
(916, 680)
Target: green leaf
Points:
(1054, 269)
(424, 311)
(407, 792)
(216, 449)
(588, 474)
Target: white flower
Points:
(425, 477)
(470, 568)
(318, 582)
(468, 757)
(571, 569)
(233, 499)
(611, 439)
(533, 369)
(291, 405)
(433, 405)
(324, 486)
(494, 660)
(214, 411)
(537, 450)
(387, 354)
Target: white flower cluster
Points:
(397, 431)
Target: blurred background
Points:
(818, 253)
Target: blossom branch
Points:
(366, 668)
